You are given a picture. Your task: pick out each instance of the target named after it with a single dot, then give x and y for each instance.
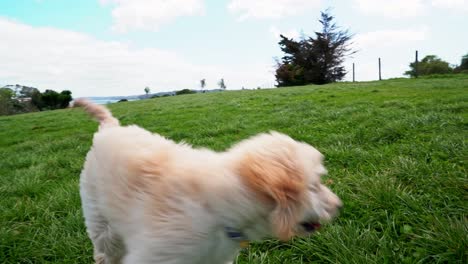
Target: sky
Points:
(119, 47)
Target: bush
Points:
(431, 64)
(185, 91)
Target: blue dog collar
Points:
(237, 235)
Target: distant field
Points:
(395, 150)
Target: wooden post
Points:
(380, 71)
(353, 72)
(416, 66)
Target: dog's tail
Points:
(99, 112)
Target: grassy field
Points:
(395, 150)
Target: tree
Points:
(6, 101)
(316, 60)
(36, 99)
(65, 98)
(50, 100)
(15, 101)
(202, 83)
(221, 84)
(27, 91)
(7, 93)
(147, 90)
(463, 67)
(431, 64)
(464, 62)
(289, 74)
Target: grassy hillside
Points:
(395, 150)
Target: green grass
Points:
(395, 150)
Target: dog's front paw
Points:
(100, 258)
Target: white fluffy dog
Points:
(147, 199)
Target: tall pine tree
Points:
(316, 60)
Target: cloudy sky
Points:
(118, 47)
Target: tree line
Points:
(431, 64)
(319, 59)
(30, 99)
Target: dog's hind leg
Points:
(108, 247)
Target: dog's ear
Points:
(277, 180)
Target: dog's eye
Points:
(314, 187)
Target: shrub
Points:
(185, 91)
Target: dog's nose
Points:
(340, 205)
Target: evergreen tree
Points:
(316, 60)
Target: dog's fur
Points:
(147, 199)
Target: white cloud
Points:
(392, 8)
(389, 38)
(407, 8)
(459, 5)
(292, 33)
(50, 58)
(150, 14)
(260, 9)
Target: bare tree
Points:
(202, 83)
(221, 84)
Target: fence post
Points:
(380, 71)
(416, 65)
(353, 72)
